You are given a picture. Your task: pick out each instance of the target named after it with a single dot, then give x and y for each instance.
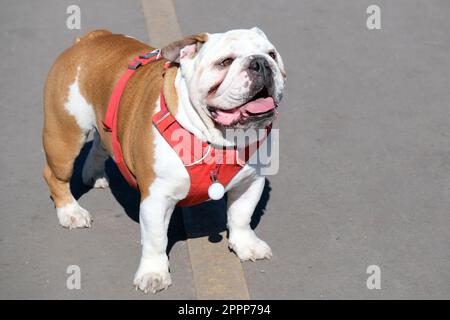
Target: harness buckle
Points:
(133, 65)
(150, 54)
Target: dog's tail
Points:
(92, 35)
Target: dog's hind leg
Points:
(93, 173)
(68, 118)
(61, 152)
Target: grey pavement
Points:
(364, 164)
(365, 146)
(34, 251)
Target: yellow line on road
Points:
(217, 273)
(161, 19)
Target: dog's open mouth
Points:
(261, 106)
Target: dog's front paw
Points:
(152, 281)
(153, 274)
(73, 216)
(248, 246)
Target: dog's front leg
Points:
(153, 272)
(242, 201)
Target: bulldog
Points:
(213, 83)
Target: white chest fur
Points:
(172, 178)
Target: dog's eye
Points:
(272, 54)
(226, 62)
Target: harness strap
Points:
(201, 160)
(110, 121)
(203, 163)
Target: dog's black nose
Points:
(259, 64)
(260, 67)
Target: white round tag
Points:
(216, 191)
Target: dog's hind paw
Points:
(72, 216)
(101, 183)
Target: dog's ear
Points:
(185, 48)
(259, 31)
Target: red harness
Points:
(205, 165)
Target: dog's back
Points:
(77, 91)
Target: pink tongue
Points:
(259, 105)
(227, 118)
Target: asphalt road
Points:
(365, 146)
(34, 251)
(364, 164)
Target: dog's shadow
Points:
(207, 219)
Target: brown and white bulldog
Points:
(210, 86)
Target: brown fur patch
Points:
(170, 94)
(102, 58)
(93, 34)
(172, 51)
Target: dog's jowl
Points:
(139, 101)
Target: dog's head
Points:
(235, 78)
